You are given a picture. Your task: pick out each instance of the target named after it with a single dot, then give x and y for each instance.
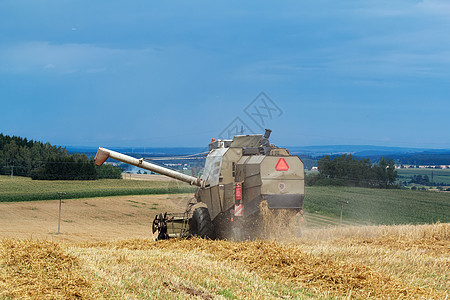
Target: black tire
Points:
(222, 225)
(200, 224)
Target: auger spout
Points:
(103, 154)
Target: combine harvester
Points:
(241, 178)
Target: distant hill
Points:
(401, 155)
(356, 150)
(309, 154)
(420, 158)
(313, 151)
(146, 151)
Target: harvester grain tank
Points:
(240, 177)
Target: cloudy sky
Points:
(176, 73)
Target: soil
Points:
(147, 177)
(91, 219)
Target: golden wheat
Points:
(325, 266)
(41, 270)
(383, 262)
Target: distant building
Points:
(405, 167)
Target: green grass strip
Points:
(93, 194)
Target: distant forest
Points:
(37, 160)
(415, 159)
(423, 158)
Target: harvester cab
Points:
(243, 179)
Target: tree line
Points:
(347, 170)
(43, 161)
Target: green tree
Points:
(351, 171)
(391, 173)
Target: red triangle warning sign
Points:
(282, 165)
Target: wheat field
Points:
(106, 251)
(352, 262)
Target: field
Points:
(25, 189)
(396, 262)
(365, 206)
(87, 219)
(439, 175)
(380, 206)
(106, 249)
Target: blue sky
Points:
(176, 73)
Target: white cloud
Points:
(435, 7)
(49, 66)
(66, 58)
(96, 70)
(398, 8)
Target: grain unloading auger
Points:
(241, 178)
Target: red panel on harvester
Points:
(238, 191)
(282, 165)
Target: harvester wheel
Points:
(200, 225)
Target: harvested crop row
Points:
(289, 265)
(435, 240)
(40, 269)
